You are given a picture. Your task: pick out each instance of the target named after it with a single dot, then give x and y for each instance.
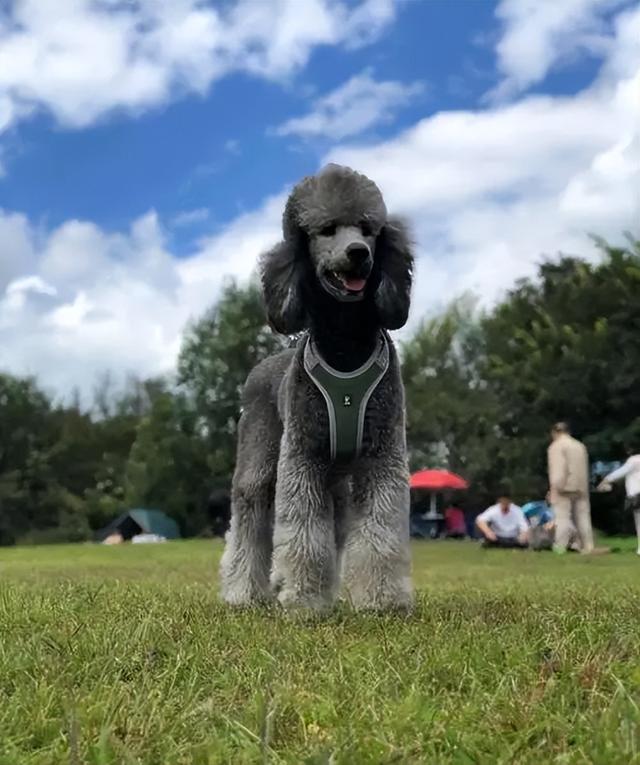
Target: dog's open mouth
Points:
(348, 286)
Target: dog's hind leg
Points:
(304, 555)
(246, 562)
(377, 563)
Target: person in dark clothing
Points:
(219, 511)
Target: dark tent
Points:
(140, 521)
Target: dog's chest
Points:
(337, 411)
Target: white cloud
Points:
(454, 158)
(490, 191)
(234, 251)
(17, 255)
(357, 105)
(232, 146)
(190, 217)
(81, 59)
(85, 300)
(538, 34)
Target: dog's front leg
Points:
(246, 562)
(376, 567)
(244, 568)
(304, 550)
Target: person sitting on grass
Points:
(503, 524)
(542, 527)
(541, 521)
(454, 523)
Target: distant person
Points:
(630, 471)
(470, 523)
(454, 523)
(569, 489)
(538, 513)
(542, 524)
(219, 511)
(503, 524)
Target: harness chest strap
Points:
(346, 395)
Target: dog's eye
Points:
(366, 229)
(328, 230)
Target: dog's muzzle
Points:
(347, 280)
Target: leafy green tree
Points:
(116, 416)
(24, 421)
(218, 352)
(483, 391)
(452, 413)
(33, 495)
(185, 441)
(565, 346)
(167, 467)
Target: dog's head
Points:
(341, 214)
(338, 239)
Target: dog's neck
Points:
(345, 334)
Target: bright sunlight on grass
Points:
(124, 655)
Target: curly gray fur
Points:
(303, 526)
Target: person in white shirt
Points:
(630, 471)
(503, 524)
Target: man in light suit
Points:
(569, 488)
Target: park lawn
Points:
(124, 655)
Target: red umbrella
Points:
(437, 480)
(434, 481)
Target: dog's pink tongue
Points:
(353, 284)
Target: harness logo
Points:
(346, 400)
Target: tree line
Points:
(482, 388)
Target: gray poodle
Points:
(320, 493)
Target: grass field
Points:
(124, 655)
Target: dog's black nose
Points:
(358, 252)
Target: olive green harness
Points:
(346, 395)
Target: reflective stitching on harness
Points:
(346, 395)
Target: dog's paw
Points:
(245, 597)
(398, 600)
(311, 604)
(276, 582)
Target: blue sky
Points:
(146, 152)
(216, 151)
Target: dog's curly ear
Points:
(394, 262)
(281, 275)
